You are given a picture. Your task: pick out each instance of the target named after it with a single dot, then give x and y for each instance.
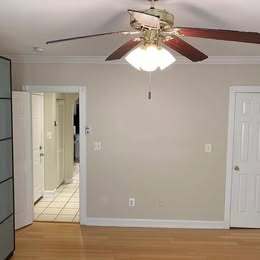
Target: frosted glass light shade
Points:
(150, 58)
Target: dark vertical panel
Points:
(6, 199)
(5, 118)
(6, 164)
(7, 240)
(5, 84)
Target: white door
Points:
(245, 200)
(60, 140)
(38, 145)
(23, 179)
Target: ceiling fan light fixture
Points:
(166, 59)
(150, 58)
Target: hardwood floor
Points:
(71, 242)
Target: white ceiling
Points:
(28, 23)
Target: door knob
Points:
(41, 154)
(236, 168)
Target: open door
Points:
(23, 179)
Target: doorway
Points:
(243, 164)
(56, 174)
(25, 98)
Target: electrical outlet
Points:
(131, 202)
(161, 203)
(208, 148)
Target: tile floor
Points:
(64, 207)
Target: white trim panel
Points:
(53, 88)
(155, 223)
(244, 89)
(83, 155)
(229, 164)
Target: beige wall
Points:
(153, 151)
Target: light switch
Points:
(208, 148)
(131, 202)
(97, 146)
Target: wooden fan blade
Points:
(124, 49)
(185, 49)
(225, 35)
(92, 36)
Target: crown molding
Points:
(101, 60)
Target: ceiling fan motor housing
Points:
(166, 20)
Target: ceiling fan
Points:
(154, 28)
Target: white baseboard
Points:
(84, 221)
(155, 223)
(49, 193)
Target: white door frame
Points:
(82, 90)
(231, 127)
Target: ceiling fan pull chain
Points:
(150, 86)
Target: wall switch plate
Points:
(208, 148)
(97, 146)
(49, 135)
(131, 202)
